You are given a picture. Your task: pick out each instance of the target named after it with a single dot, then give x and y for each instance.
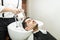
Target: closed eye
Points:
(29, 21)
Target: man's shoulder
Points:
(41, 31)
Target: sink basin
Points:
(18, 33)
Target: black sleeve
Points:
(40, 36)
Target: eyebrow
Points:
(27, 19)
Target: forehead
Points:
(29, 19)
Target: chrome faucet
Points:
(16, 20)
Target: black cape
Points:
(40, 36)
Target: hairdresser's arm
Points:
(7, 9)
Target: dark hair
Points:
(24, 23)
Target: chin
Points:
(36, 25)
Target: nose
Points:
(31, 20)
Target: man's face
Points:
(30, 24)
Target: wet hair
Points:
(24, 23)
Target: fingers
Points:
(17, 11)
(21, 10)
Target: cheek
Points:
(27, 28)
(27, 24)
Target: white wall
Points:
(47, 11)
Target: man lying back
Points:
(29, 24)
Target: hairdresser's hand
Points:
(21, 10)
(16, 11)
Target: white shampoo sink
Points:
(18, 33)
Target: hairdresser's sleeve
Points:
(1, 8)
(20, 4)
